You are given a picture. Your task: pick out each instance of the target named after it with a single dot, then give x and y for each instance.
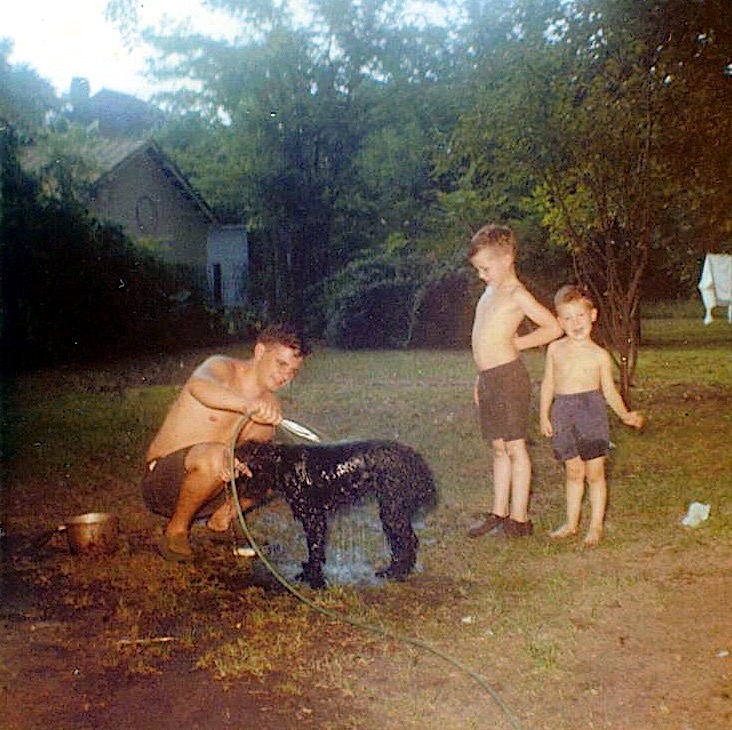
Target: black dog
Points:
(317, 479)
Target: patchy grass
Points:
(551, 625)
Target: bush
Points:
(443, 313)
(370, 304)
(76, 290)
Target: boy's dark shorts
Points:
(161, 484)
(504, 398)
(580, 426)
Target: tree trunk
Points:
(610, 271)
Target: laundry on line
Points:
(715, 284)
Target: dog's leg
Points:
(315, 525)
(397, 524)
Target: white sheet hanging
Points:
(715, 284)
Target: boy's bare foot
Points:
(564, 531)
(593, 538)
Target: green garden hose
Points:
(387, 633)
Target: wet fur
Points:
(318, 479)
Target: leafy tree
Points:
(289, 138)
(313, 130)
(370, 304)
(63, 160)
(585, 80)
(694, 61)
(25, 98)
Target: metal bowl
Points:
(93, 532)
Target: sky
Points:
(61, 39)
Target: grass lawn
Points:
(627, 636)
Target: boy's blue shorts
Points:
(580, 426)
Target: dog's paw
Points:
(394, 572)
(314, 580)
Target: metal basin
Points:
(93, 532)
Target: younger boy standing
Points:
(503, 388)
(578, 380)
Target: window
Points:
(146, 214)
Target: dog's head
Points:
(261, 458)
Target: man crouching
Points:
(188, 462)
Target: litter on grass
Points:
(696, 514)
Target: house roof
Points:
(107, 155)
(117, 113)
(113, 154)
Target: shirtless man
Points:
(188, 461)
(503, 387)
(578, 382)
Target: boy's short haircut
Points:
(286, 335)
(500, 238)
(573, 293)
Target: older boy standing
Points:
(578, 380)
(503, 387)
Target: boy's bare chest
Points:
(576, 372)
(494, 308)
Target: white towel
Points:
(715, 284)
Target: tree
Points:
(695, 63)
(290, 133)
(25, 98)
(586, 81)
(313, 129)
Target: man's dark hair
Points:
(287, 335)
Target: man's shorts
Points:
(504, 398)
(580, 426)
(161, 484)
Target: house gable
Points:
(139, 188)
(148, 196)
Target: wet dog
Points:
(318, 479)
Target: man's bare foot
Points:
(218, 526)
(220, 520)
(593, 538)
(564, 531)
